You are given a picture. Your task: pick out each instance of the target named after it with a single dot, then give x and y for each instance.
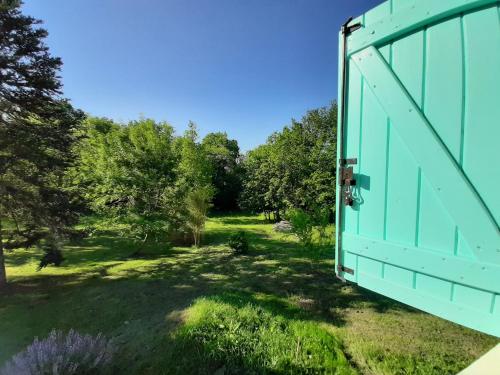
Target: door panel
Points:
(421, 115)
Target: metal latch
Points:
(347, 180)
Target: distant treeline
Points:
(143, 168)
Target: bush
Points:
(62, 354)
(52, 255)
(302, 226)
(239, 243)
(321, 218)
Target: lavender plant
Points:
(60, 354)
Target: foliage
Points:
(198, 204)
(143, 228)
(239, 242)
(144, 176)
(321, 219)
(37, 132)
(129, 173)
(295, 168)
(125, 169)
(261, 182)
(302, 226)
(224, 156)
(194, 168)
(61, 354)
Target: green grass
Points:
(238, 333)
(278, 309)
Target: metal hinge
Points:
(341, 268)
(347, 29)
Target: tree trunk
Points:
(195, 237)
(3, 274)
(277, 216)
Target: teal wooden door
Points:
(419, 200)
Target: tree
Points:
(259, 192)
(224, 156)
(129, 172)
(295, 168)
(144, 176)
(37, 132)
(198, 204)
(195, 182)
(194, 169)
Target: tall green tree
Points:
(261, 182)
(195, 182)
(130, 172)
(224, 156)
(295, 168)
(195, 168)
(37, 132)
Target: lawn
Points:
(278, 309)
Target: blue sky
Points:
(241, 66)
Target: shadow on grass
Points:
(243, 333)
(134, 303)
(274, 266)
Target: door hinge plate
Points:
(350, 161)
(341, 268)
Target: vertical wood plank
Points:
(443, 105)
(370, 187)
(403, 185)
(482, 127)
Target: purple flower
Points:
(61, 354)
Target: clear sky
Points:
(241, 66)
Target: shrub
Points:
(62, 354)
(52, 255)
(302, 226)
(321, 218)
(52, 252)
(239, 242)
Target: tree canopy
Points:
(295, 168)
(224, 156)
(37, 132)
